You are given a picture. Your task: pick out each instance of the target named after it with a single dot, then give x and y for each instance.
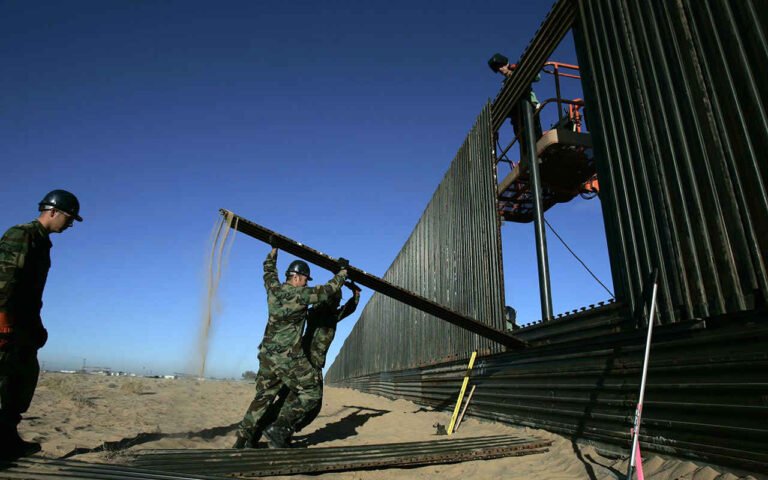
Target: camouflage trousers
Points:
(286, 395)
(275, 372)
(18, 379)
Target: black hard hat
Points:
(61, 200)
(300, 267)
(497, 61)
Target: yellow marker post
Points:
(461, 394)
(466, 405)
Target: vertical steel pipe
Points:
(557, 93)
(545, 289)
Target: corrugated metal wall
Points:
(706, 403)
(452, 257)
(676, 104)
(676, 97)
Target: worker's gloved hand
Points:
(351, 285)
(343, 263)
(271, 240)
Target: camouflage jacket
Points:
(288, 309)
(25, 257)
(321, 328)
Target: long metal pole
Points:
(545, 289)
(639, 409)
(557, 92)
(375, 283)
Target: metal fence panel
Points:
(680, 130)
(452, 257)
(707, 404)
(677, 107)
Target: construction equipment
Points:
(565, 160)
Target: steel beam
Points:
(42, 468)
(545, 289)
(263, 462)
(374, 283)
(558, 22)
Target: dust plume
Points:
(217, 261)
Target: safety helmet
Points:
(61, 200)
(300, 267)
(497, 61)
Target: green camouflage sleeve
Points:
(13, 252)
(321, 293)
(270, 271)
(348, 308)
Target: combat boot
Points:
(278, 436)
(242, 442)
(247, 441)
(14, 446)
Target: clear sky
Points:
(330, 122)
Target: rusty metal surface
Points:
(267, 462)
(42, 468)
(452, 257)
(390, 290)
(677, 107)
(190, 464)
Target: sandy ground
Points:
(77, 413)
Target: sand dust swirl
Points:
(217, 261)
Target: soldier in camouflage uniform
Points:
(281, 358)
(25, 257)
(321, 329)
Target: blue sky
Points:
(330, 122)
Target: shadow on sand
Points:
(343, 428)
(146, 437)
(340, 429)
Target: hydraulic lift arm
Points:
(374, 283)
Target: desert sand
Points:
(73, 415)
